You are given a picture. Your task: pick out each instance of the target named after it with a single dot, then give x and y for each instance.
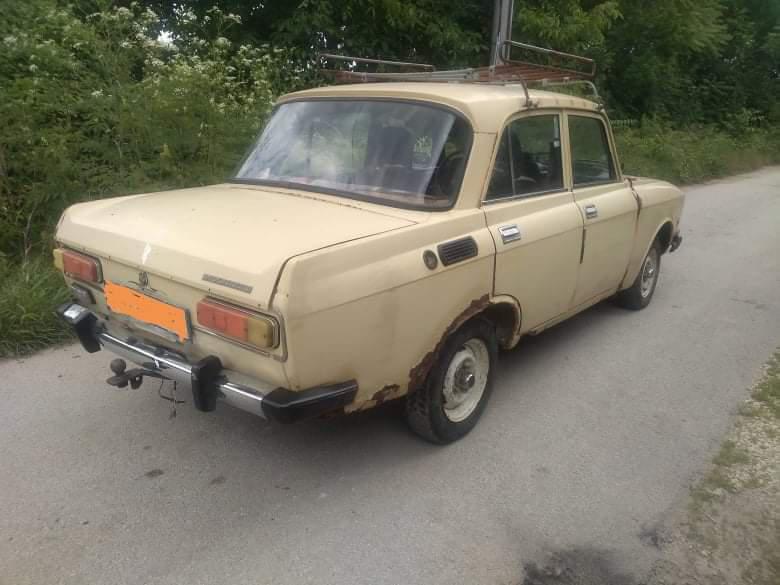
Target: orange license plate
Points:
(126, 301)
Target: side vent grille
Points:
(457, 250)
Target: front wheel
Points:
(458, 387)
(639, 295)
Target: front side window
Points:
(528, 161)
(396, 153)
(590, 154)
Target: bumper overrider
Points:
(206, 378)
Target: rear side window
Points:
(529, 158)
(590, 155)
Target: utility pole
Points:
(503, 13)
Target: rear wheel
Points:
(458, 387)
(639, 295)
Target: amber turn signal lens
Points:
(236, 323)
(78, 265)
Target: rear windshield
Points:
(396, 153)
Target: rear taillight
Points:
(235, 323)
(78, 265)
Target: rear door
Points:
(607, 205)
(533, 219)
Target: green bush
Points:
(696, 153)
(30, 292)
(98, 106)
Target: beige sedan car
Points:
(380, 241)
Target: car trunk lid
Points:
(231, 239)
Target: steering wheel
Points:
(441, 182)
(524, 182)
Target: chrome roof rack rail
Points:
(559, 69)
(350, 60)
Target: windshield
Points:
(396, 153)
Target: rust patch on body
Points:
(419, 373)
(388, 392)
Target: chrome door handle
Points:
(510, 233)
(591, 211)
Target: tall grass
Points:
(29, 293)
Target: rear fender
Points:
(643, 249)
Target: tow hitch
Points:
(134, 378)
(122, 376)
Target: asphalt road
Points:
(595, 430)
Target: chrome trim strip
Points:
(522, 196)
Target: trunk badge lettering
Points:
(227, 283)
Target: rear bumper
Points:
(206, 378)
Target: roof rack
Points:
(555, 69)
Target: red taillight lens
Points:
(237, 323)
(223, 319)
(81, 266)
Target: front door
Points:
(608, 208)
(532, 216)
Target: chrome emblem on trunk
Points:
(245, 288)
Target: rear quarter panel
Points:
(371, 310)
(662, 203)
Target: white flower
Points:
(97, 93)
(123, 11)
(124, 44)
(222, 42)
(9, 40)
(33, 68)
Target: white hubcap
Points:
(466, 379)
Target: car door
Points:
(532, 216)
(608, 207)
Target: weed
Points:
(730, 454)
(29, 294)
(767, 393)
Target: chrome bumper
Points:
(174, 367)
(206, 378)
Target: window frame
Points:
(607, 127)
(347, 194)
(525, 115)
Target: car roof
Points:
(487, 106)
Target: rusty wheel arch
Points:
(504, 312)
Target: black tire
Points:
(638, 295)
(425, 407)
